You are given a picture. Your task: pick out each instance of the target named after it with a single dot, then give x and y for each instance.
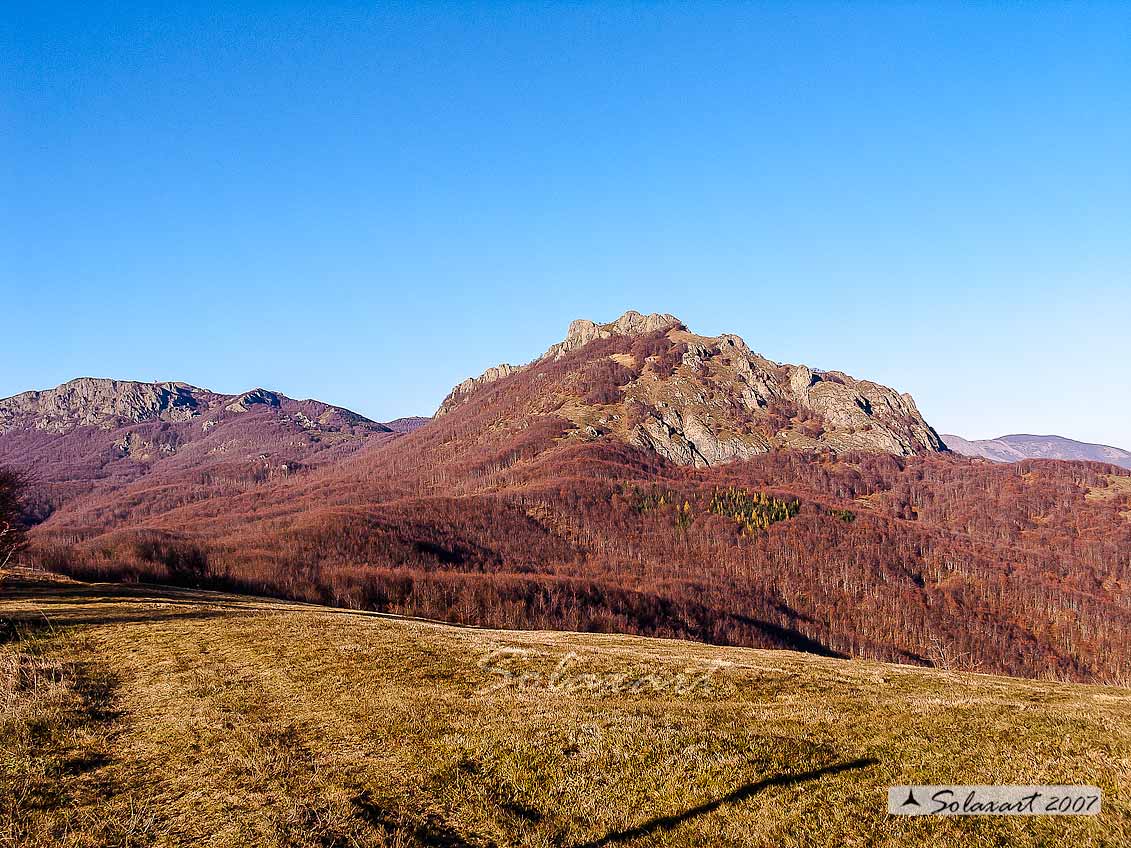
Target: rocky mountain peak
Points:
(92, 401)
(580, 333)
(110, 404)
(632, 323)
(495, 372)
(700, 400)
(254, 398)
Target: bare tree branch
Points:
(13, 486)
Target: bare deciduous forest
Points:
(496, 514)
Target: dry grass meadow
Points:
(137, 716)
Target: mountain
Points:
(1021, 446)
(95, 436)
(635, 478)
(407, 425)
(701, 401)
(109, 404)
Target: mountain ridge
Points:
(703, 400)
(1018, 446)
(107, 403)
(94, 436)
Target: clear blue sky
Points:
(367, 202)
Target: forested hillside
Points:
(530, 504)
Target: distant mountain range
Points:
(1023, 446)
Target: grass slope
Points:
(155, 716)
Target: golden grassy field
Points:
(137, 716)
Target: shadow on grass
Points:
(663, 824)
(44, 624)
(64, 739)
(45, 591)
(790, 639)
(47, 606)
(429, 831)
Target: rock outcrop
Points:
(580, 333)
(496, 372)
(254, 398)
(106, 404)
(699, 400)
(632, 323)
(111, 404)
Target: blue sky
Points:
(367, 202)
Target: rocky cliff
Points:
(105, 404)
(109, 404)
(699, 400)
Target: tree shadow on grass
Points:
(44, 606)
(428, 830)
(793, 640)
(38, 624)
(44, 591)
(431, 831)
(663, 824)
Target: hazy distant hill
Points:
(1022, 446)
(407, 425)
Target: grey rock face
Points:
(469, 385)
(252, 399)
(724, 402)
(799, 382)
(686, 440)
(109, 404)
(632, 323)
(88, 401)
(869, 416)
